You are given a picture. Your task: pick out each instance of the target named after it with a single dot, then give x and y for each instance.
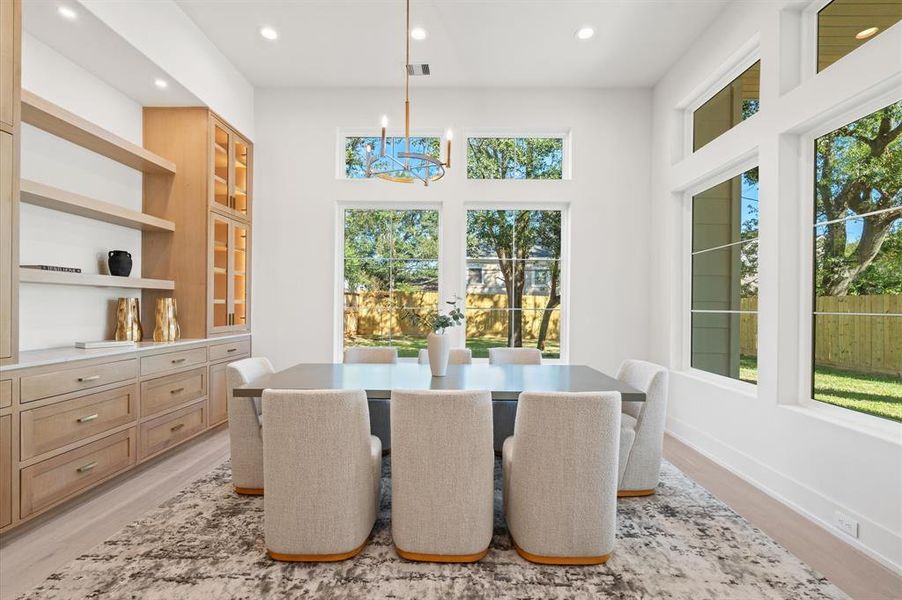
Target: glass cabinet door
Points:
(240, 168)
(222, 170)
(221, 242)
(240, 282)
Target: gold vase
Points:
(128, 320)
(166, 328)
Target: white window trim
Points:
(827, 123)
(809, 39)
(744, 57)
(343, 133)
(747, 162)
(566, 148)
(338, 258)
(564, 207)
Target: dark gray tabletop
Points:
(504, 381)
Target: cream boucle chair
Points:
(642, 428)
(245, 420)
(322, 472)
(442, 475)
(560, 477)
(515, 356)
(379, 411)
(457, 356)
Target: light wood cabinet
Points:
(211, 192)
(10, 61)
(10, 31)
(6, 470)
(219, 394)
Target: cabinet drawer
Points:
(55, 425)
(232, 350)
(165, 392)
(169, 430)
(57, 478)
(6, 393)
(172, 360)
(35, 387)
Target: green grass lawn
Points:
(409, 346)
(879, 395)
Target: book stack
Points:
(51, 268)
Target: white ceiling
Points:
(471, 43)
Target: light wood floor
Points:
(30, 554)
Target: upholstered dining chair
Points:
(515, 356)
(456, 356)
(560, 477)
(322, 473)
(505, 411)
(379, 411)
(642, 428)
(245, 421)
(442, 475)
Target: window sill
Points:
(733, 385)
(878, 427)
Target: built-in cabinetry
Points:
(70, 420)
(211, 192)
(10, 49)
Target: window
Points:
(515, 158)
(390, 271)
(355, 151)
(857, 305)
(844, 25)
(725, 278)
(513, 249)
(735, 103)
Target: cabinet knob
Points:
(88, 418)
(87, 467)
(88, 378)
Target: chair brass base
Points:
(316, 557)
(634, 493)
(560, 560)
(249, 491)
(441, 558)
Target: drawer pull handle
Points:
(88, 418)
(87, 467)
(176, 361)
(177, 390)
(232, 350)
(88, 378)
(176, 427)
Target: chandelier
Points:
(407, 166)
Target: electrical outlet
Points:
(846, 524)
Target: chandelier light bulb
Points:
(449, 135)
(384, 121)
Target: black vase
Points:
(120, 263)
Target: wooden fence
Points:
(867, 344)
(368, 314)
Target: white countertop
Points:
(64, 354)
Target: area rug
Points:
(207, 542)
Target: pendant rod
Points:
(407, 81)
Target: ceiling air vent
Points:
(422, 69)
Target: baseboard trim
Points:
(795, 507)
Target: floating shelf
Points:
(54, 119)
(87, 279)
(47, 196)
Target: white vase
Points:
(439, 346)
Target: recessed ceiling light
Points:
(66, 12)
(161, 83)
(269, 33)
(418, 33)
(866, 33)
(585, 33)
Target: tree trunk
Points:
(873, 233)
(554, 299)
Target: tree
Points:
(858, 171)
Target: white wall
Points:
(818, 458)
(59, 315)
(297, 190)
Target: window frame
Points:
(806, 291)
(564, 208)
(341, 141)
(733, 169)
(564, 135)
(339, 258)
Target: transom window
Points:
(736, 102)
(725, 278)
(514, 287)
(355, 150)
(515, 158)
(391, 269)
(857, 304)
(844, 25)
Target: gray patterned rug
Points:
(207, 542)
